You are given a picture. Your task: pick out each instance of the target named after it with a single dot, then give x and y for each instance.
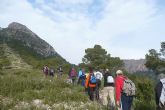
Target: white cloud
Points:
(122, 17)
(74, 2)
(71, 32)
(40, 2)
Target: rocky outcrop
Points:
(134, 66)
(20, 32)
(18, 26)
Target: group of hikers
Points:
(113, 87)
(51, 71)
(117, 92)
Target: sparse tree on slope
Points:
(156, 60)
(98, 57)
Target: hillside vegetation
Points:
(4, 61)
(23, 87)
(29, 89)
(15, 60)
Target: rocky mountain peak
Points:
(21, 33)
(17, 26)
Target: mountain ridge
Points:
(20, 32)
(18, 26)
(29, 46)
(135, 65)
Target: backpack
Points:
(51, 70)
(93, 79)
(60, 69)
(110, 79)
(129, 87)
(98, 75)
(162, 96)
(83, 76)
(45, 69)
(73, 72)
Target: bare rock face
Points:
(133, 66)
(0, 28)
(20, 32)
(18, 26)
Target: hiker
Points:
(123, 101)
(86, 87)
(160, 92)
(45, 70)
(60, 71)
(99, 77)
(81, 77)
(108, 90)
(73, 75)
(51, 71)
(90, 84)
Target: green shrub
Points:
(145, 96)
(26, 85)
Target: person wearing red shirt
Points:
(122, 101)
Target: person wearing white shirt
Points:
(99, 77)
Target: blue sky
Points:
(125, 28)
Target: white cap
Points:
(119, 72)
(107, 69)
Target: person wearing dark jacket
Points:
(108, 89)
(51, 71)
(158, 90)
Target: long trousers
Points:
(91, 92)
(126, 101)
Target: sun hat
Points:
(119, 72)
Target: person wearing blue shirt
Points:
(81, 77)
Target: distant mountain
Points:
(134, 66)
(17, 31)
(28, 45)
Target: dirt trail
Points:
(16, 61)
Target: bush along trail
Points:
(28, 89)
(22, 89)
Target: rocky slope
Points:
(21, 33)
(134, 66)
